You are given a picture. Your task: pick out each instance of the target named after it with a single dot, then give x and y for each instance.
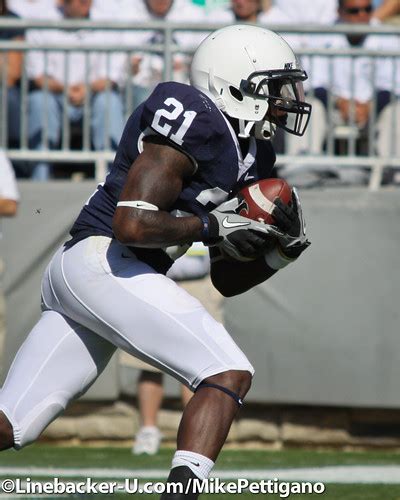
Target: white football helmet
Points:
(253, 75)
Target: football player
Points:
(183, 155)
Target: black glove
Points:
(240, 237)
(247, 244)
(289, 218)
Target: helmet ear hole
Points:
(236, 93)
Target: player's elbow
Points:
(223, 285)
(128, 232)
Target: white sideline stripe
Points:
(345, 474)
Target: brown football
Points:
(258, 199)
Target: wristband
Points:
(276, 260)
(205, 231)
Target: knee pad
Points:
(230, 393)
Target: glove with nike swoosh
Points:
(240, 237)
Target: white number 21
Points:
(177, 110)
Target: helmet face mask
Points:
(283, 89)
(261, 85)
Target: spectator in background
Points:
(294, 12)
(255, 11)
(249, 11)
(146, 69)
(321, 72)
(373, 78)
(8, 208)
(34, 9)
(354, 86)
(95, 83)
(109, 10)
(309, 11)
(150, 394)
(10, 74)
(239, 11)
(316, 87)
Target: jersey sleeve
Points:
(186, 117)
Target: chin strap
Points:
(245, 129)
(264, 130)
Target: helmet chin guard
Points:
(264, 130)
(252, 75)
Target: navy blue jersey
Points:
(191, 122)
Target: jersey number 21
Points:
(172, 115)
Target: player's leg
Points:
(103, 287)
(150, 394)
(207, 417)
(186, 395)
(107, 120)
(44, 120)
(204, 428)
(148, 315)
(58, 362)
(387, 128)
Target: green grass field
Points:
(107, 459)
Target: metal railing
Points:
(329, 157)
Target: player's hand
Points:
(246, 244)
(290, 219)
(237, 236)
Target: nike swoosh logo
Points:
(126, 256)
(228, 225)
(196, 464)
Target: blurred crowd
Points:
(365, 90)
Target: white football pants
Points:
(97, 296)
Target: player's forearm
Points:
(156, 229)
(232, 277)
